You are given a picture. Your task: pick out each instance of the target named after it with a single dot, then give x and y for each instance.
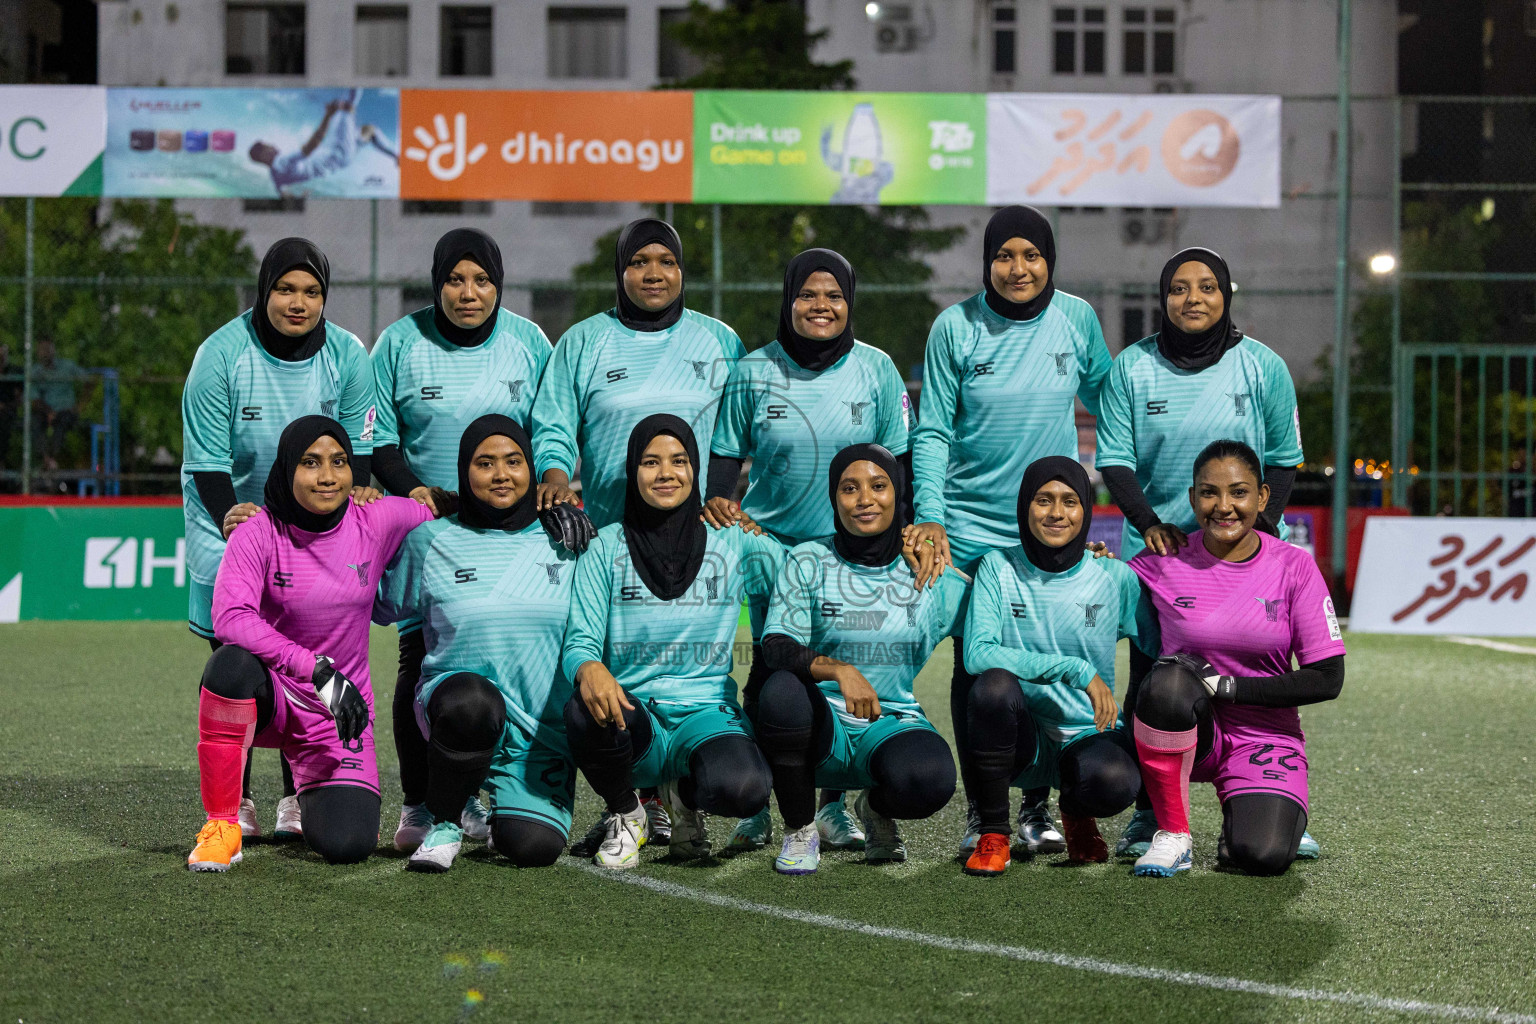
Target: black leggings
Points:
(410, 744)
(341, 823)
(726, 775)
(1099, 777)
(282, 759)
(527, 844)
(466, 715)
(1259, 831)
(913, 771)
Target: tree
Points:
(149, 285)
(763, 44)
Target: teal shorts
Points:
(855, 740)
(530, 777)
(200, 608)
(678, 729)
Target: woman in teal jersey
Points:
(1000, 376)
(435, 371)
(790, 407)
(848, 632)
(491, 590)
(649, 647)
(1044, 620)
(648, 352)
(267, 367)
(1199, 379)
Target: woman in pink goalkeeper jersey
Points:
(1235, 606)
(291, 605)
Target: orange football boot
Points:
(990, 857)
(218, 846)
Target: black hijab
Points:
(278, 498)
(289, 254)
(1197, 351)
(480, 249)
(638, 234)
(881, 549)
(480, 514)
(809, 353)
(665, 545)
(1027, 223)
(1041, 472)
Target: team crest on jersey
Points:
(328, 408)
(515, 389)
(1090, 614)
(911, 611)
(856, 412)
(1240, 402)
(711, 587)
(699, 366)
(1271, 609)
(1061, 362)
(552, 570)
(361, 568)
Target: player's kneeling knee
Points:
(233, 673)
(1167, 697)
(467, 713)
(785, 718)
(916, 775)
(527, 844)
(341, 823)
(730, 778)
(996, 691)
(1104, 792)
(1260, 856)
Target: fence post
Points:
(715, 272)
(1402, 372)
(1341, 466)
(373, 272)
(29, 298)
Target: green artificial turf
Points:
(1423, 797)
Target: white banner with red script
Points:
(1088, 149)
(1420, 575)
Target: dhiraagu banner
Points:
(839, 147)
(51, 139)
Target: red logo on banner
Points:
(1486, 583)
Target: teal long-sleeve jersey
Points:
(1154, 418)
(428, 389)
(791, 421)
(236, 402)
(604, 378)
(870, 617)
(678, 651)
(1055, 631)
(997, 395)
(493, 603)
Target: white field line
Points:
(1492, 645)
(1365, 1001)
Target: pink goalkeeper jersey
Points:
(1245, 618)
(286, 594)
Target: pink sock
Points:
(1166, 761)
(225, 729)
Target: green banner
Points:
(839, 147)
(109, 561)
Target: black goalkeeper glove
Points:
(568, 526)
(341, 698)
(1217, 686)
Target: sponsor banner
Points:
(839, 147)
(51, 139)
(563, 146)
(253, 143)
(1107, 150)
(1444, 575)
(92, 561)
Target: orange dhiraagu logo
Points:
(560, 146)
(1200, 148)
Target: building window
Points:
(445, 207)
(588, 42)
(1140, 317)
(414, 297)
(381, 40)
(284, 204)
(674, 61)
(264, 39)
(464, 42)
(1077, 40)
(1148, 45)
(553, 309)
(544, 209)
(1005, 39)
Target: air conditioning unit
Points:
(1142, 227)
(896, 30)
(1165, 85)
